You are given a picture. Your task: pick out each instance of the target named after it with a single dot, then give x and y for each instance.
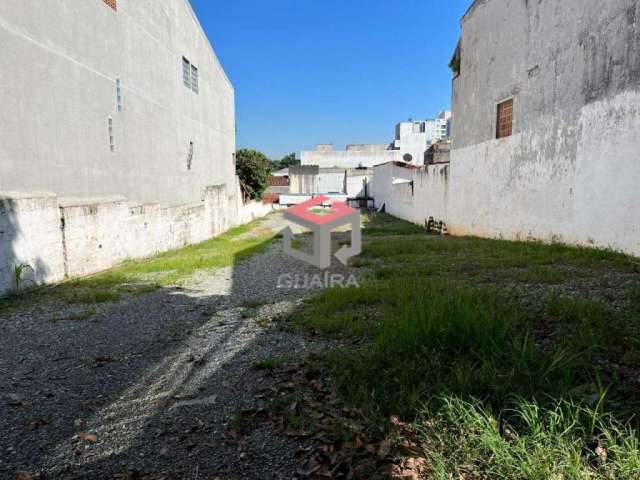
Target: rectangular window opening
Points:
(186, 72)
(119, 94)
(505, 119)
(112, 144)
(194, 79)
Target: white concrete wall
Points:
(331, 182)
(592, 199)
(62, 238)
(30, 234)
(58, 69)
(571, 170)
(381, 186)
(348, 158)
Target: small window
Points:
(407, 157)
(190, 155)
(194, 79)
(505, 119)
(112, 143)
(119, 94)
(186, 72)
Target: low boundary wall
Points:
(65, 238)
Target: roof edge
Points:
(471, 8)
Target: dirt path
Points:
(151, 386)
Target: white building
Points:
(112, 97)
(412, 140)
(118, 136)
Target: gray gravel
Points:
(150, 384)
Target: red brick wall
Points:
(278, 181)
(112, 3)
(268, 198)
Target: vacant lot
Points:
(508, 359)
(455, 358)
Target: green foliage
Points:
(284, 162)
(19, 272)
(465, 440)
(269, 363)
(253, 168)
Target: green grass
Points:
(463, 440)
(174, 266)
(139, 277)
(253, 303)
(75, 317)
(464, 333)
(633, 293)
(243, 423)
(269, 363)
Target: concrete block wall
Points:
(30, 234)
(65, 238)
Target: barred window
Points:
(186, 72)
(505, 119)
(194, 79)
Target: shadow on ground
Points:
(148, 385)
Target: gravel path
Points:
(147, 387)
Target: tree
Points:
(285, 162)
(253, 168)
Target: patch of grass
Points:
(76, 317)
(87, 297)
(254, 303)
(269, 363)
(633, 293)
(140, 277)
(465, 440)
(288, 407)
(383, 225)
(232, 247)
(243, 423)
(473, 334)
(475, 344)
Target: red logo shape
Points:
(338, 210)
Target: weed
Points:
(75, 317)
(633, 293)
(19, 272)
(463, 439)
(288, 408)
(253, 303)
(243, 423)
(269, 363)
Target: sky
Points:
(332, 71)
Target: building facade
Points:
(112, 97)
(412, 140)
(545, 128)
(117, 139)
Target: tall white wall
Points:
(58, 69)
(570, 172)
(349, 158)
